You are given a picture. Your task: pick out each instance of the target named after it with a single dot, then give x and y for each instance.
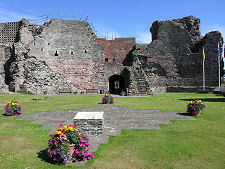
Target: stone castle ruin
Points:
(66, 54)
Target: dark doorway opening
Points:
(116, 84)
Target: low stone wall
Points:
(158, 90)
(188, 89)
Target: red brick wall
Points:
(120, 45)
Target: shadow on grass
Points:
(43, 155)
(185, 114)
(207, 99)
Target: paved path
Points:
(115, 119)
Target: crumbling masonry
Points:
(66, 54)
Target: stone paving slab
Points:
(115, 119)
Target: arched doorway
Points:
(116, 84)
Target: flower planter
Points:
(73, 155)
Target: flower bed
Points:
(13, 108)
(195, 107)
(68, 145)
(107, 98)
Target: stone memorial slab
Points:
(89, 122)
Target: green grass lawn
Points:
(184, 144)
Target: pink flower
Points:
(56, 143)
(54, 159)
(89, 158)
(84, 159)
(80, 144)
(50, 135)
(88, 149)
(82, 152)
(77, 151)
(83, 145)
(88, 143)
(55, 152)
(49, 150)
(51, 142)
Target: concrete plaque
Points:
(89, 115)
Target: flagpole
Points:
(203, 73)
(219, 61)
(203, 67)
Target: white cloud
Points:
(143, 37)
(9, 16)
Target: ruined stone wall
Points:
(174, 57)
(121, 46)
(5, 54)
(63, 54)
(9, 32)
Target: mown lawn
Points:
(184, 144)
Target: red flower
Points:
(16, 101)
(72, 126)
(61, 124)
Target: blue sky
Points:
(121, 18)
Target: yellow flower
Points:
(191, 102)
(13, 104)
(65, 127)
(9, 102)
(59, 132)
(70, 128)
(200, 101)
(60, 128)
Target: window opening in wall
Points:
(71, 52)
(106, 60)
(56, 53)
(114, 59)
(48, 43)
(85, 51)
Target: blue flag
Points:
(218, 50)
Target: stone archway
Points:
(116, 84)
